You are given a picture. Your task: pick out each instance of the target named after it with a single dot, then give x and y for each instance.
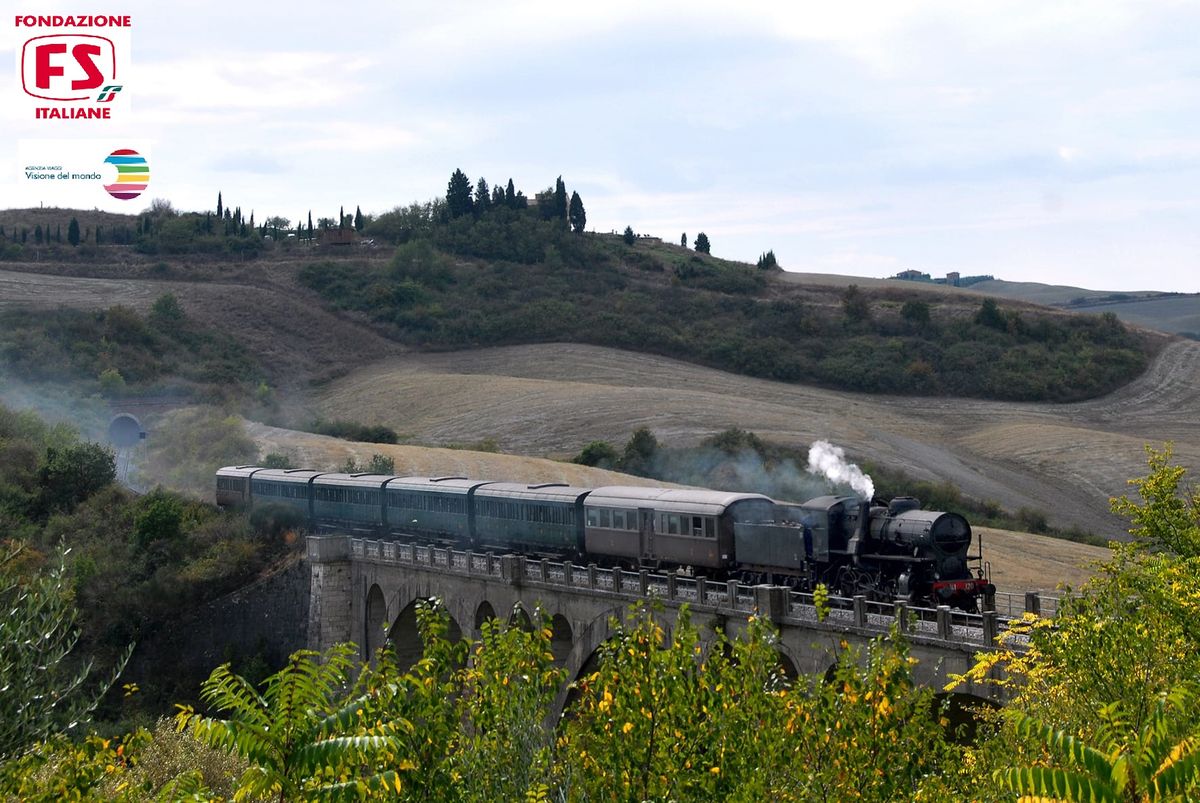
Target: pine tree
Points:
(359, 223)
(219, 207)
(702, 243)
(629, 236)
(458, 195)
(577, 214)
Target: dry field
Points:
(552, 399)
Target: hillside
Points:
(1066, 460)
(1176, 313)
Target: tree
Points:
(629, 236)
(1168, 518)
(44, 692)
(578, 216)
(683, 239)
(854, 305)
(510, 195)
(220, 208)
(359, 223)
(767, 261)
(37, 234)
(497, 197)
(458, 195)
(71, 474)
(916, 313)
(989, 315)
(598, 453)
(702, 243)
(640, 451)
(73, 232)
(483, 196)
(560, 200)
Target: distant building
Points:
(952, 278)
(912, 276)
(344, 236)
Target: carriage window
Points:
(673, 525)
(697, 526)
(618, 519)
(710, 528)
(593, 517)
(606, 518)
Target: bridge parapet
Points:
(967, 632)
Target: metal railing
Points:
(796, 607)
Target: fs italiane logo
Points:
(73, 67)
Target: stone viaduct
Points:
(365, 591)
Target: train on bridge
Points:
(885, 551)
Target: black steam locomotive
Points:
(887, 552)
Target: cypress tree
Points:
(497, 197)
(359, 223)
(58, 233)
(24, 235)
(577, 214)
(97, 235)
(560, 200)
(310, 228)
(510, 195)
(37, 234)
(219, 207)
(683, 239)
(483, 196)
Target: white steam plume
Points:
(829, 461)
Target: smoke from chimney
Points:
(829, 461)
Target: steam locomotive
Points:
(894, 551)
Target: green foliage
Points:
(458, 195)
(916, 313)
(989, 315)
(576, 214)
(767, 261)
(734, 441)
(277, 460)
(1168, 518)
(638, 455)
(378, 464)
(159, 518)
(71, 474)
(116, 349)
(629, 237)
(299, 736)
(601, 454)
(702, 244)
(1158, 761)
(506, 276)
(95, 769)
(73, 232)
(855, 305)
(47, 688)
(353, 431)
(166, 311)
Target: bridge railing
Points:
(857, 612)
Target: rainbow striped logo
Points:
(133, 174)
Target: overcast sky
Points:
(1036, 141)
